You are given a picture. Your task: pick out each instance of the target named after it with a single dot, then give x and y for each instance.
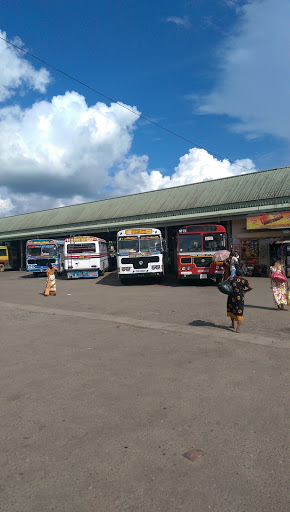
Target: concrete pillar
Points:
(22, 256)
(166, 235)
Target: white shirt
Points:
(234, 261)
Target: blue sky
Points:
(216, 72)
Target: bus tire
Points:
(2, 267)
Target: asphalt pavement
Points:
(105, 387)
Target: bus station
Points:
(253, 208)
(135, 397)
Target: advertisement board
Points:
(274, 220)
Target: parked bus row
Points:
(139, 252)
(75, 257)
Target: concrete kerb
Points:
(229, 336)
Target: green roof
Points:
(263, 190)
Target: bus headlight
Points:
(155, 267)
(124, 269)
(183, 268)
(188, 268)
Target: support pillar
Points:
(22, 266)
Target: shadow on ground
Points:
(259, 307)
(201, 323)
(112, 279)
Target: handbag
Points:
(225, 287)
(288, 298)
(278, 278)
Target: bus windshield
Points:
(80, 248)
(150, 243)
(128, 244)
(41, 250)
(214, 242)
(190, 243)
(34, 251)
(49, 250)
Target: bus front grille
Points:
(41, 262)
(140, 262)
(202, 262)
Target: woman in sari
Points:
(279, 289)
(50, 288)
(235, 303)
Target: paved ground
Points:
(104, 387)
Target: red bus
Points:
(195, 248)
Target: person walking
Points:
(50, 288)
(234, 261)
(227, 271)
(279, 289)
(235, 302)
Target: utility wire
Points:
(120, 104)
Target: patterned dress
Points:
(235, 303)
(279, 289)
(50, 288)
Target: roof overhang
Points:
(170, 219)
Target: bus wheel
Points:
(2, 267)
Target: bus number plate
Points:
(203, 276)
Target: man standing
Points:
(234, 262)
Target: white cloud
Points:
(195, 166)
(6, 206)
(254, 72)
(180, 22)
(133, 176)
(17, 72)
(63, 147)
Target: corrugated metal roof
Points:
(248, 190)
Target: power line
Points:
(121, 104)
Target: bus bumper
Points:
(140, 274)
(197, 277)
(77, 274)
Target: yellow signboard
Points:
(138, 231)
(40, 242)
(82, 239)
(276, 220)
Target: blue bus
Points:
(41, 252)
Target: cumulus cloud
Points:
(180, 22)
(62, 147)
(195, 166)
(6, 206)
(254, 72)
(17, 72)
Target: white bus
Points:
(85, 256)
(139, 253)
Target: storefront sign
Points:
(250, 250)
(269, 221)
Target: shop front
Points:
(262, 239)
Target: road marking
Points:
(225, 335)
